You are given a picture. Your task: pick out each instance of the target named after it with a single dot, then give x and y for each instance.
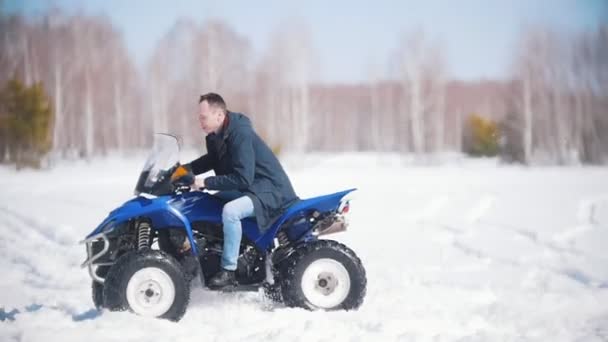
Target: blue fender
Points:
(322, 204)
(159, 210)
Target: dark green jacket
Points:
(243, 162)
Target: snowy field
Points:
(459, 251)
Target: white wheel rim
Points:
(150, 292)
(325, 283)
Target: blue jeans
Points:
(232, 214)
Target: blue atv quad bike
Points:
(144, 255)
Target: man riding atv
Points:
(253, 234)
(247, 174)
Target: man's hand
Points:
(178, 173)
(182, 176)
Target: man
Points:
(247, 174)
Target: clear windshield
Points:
(160, 163)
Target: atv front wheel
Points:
(97, 289)
(272, 292)
(323, 274)
(148, 283)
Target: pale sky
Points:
(351, 36)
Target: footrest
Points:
(237, 288)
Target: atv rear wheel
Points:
(323, 274)
(148, 283)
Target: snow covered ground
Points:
(464, 250)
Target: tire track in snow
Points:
(587, 214)
(479, 210)
(35, 227)
(432, 208)
(572, 273)
(588, 209)
(533, 237)
(475, 212)
(474, 216)
(40, 258)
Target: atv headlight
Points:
(108, 227)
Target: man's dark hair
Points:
(213, 99)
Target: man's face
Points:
(210, 117)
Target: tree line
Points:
(553, 109)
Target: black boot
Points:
(222, 279)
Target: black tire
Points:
(273, 292)
(97, 289)
(293, 269)
(117, 280)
